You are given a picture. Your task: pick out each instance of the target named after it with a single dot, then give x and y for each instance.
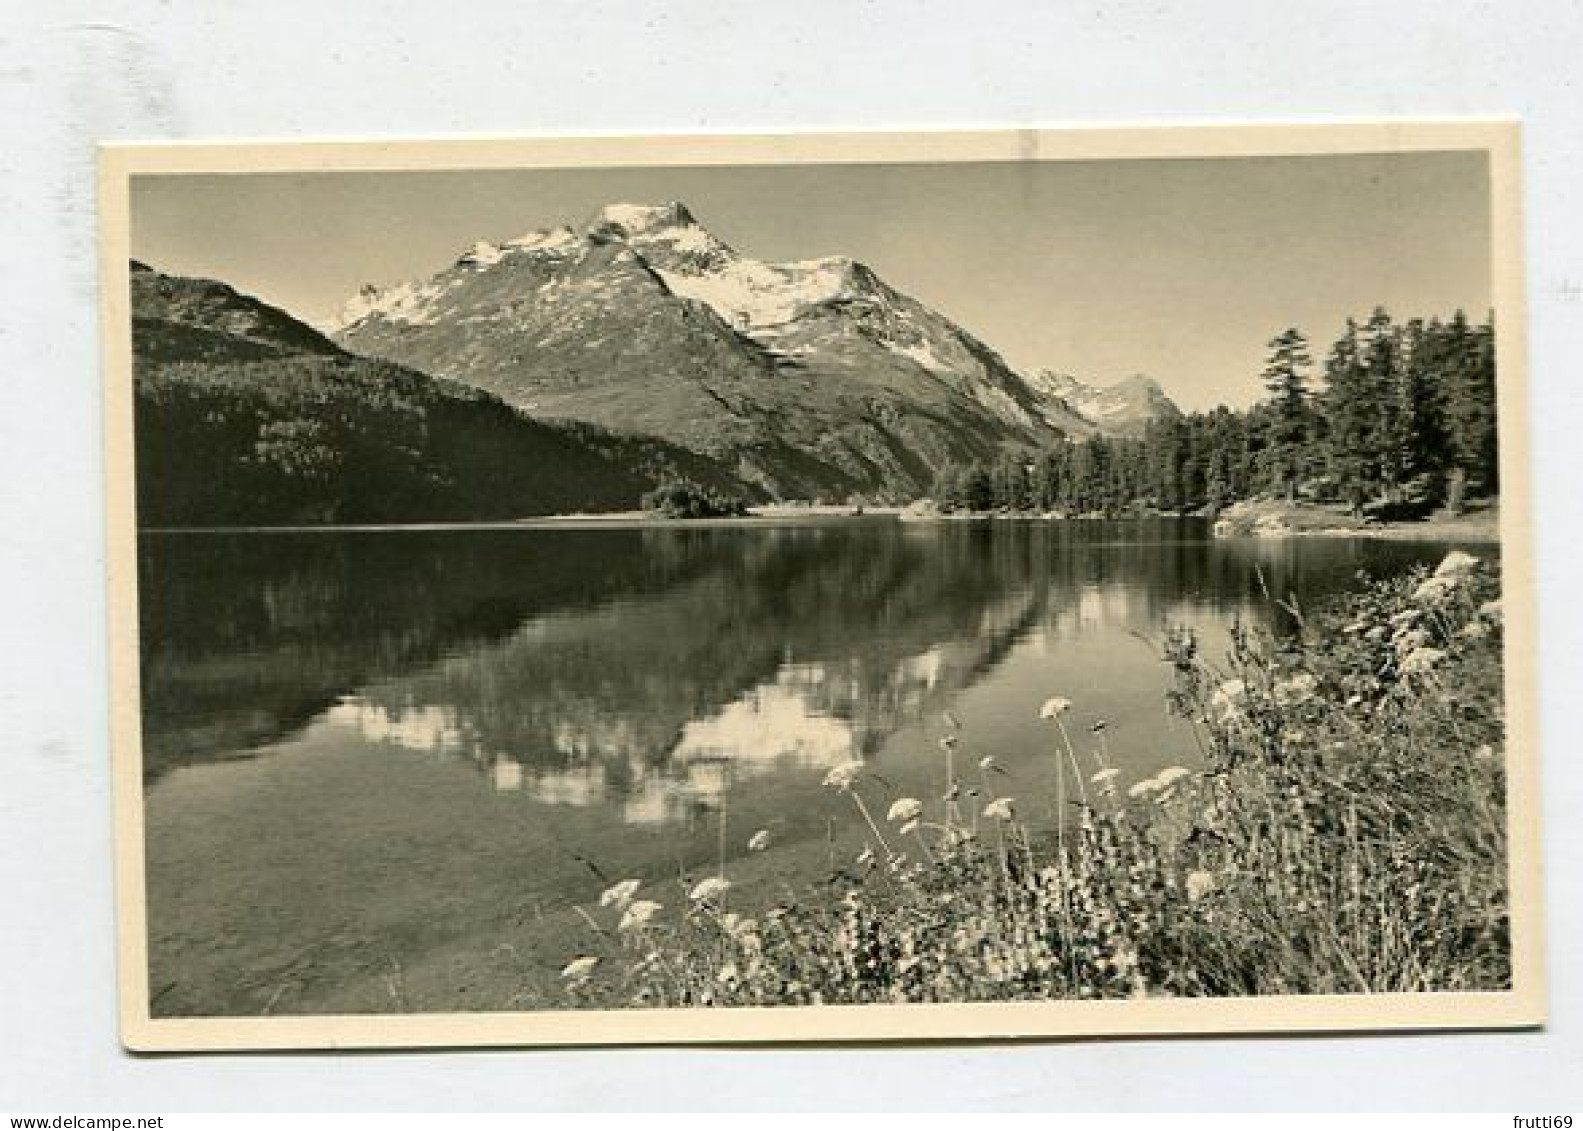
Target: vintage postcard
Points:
(821, 587)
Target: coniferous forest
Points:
(1395, 419)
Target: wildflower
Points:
(728, 973)
(579, 968)
(709, 890)
(759, 841)
(1297, 690)
(1000, 809)
(987, 763)
(1411, 639)
(1228, 699)
(1144, 788)
(1105, 777)
(910, 827)
(841, 777)
(905, 809)
(1099, 726)
(1404, 617)
(1199, 884)
(619, 895)
(948, 743)
(1436, 589)
(1456, 564)
(1171, 775)
(1055, 707)
(866, 857)
(639, 914)
(1420, 661)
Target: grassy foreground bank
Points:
(1346, 832)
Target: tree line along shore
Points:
(1398, 421)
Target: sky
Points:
(1183, 269)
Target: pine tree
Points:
(1381, 355)
(1351, 410)
(1469, 362)
(1286, 378)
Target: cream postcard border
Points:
(1523, 1005)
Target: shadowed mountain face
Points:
(246, 416)
(808, 378)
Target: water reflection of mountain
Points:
(653, 662)
(813, 647)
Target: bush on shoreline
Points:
(1345, 834)
(682, 498)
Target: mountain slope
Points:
(247, 416)
(1123, 409)
(180, 319)
(809, 378)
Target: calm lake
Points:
(382, 767)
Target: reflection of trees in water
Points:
(640, 655)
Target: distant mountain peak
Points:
(1141, 381)
(1123, 408)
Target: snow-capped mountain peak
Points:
(641, 219)
(643, 320)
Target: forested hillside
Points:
(1396, 418)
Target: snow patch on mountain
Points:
(411, 304)
(751, 294)
(923, 354)
(481, 254)
(636, 219)
(561, 239)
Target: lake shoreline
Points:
(1262, 519)
(1267, 518)
(592, 520)
(1482, 528)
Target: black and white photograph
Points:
(820, 587)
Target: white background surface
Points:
(72, 74)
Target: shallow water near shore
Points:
(383, 767)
